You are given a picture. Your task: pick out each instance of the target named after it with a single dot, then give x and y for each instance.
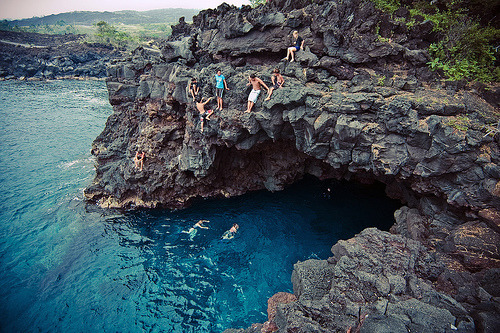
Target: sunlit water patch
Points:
(69, 267)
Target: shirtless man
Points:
(254, 94)
(204, 114)
(277, 80)
(139, 160)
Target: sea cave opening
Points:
(215, 283)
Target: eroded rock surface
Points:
(25, 55)
(353, 106)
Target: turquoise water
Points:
(69, 267)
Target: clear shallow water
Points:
(71, 268)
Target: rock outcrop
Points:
(358, 103)
(36, 56)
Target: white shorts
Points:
(254, 94)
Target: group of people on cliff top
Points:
(221, 86)
(256, 83)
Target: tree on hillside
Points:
(256, 3)
(108, 34)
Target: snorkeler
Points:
(231, 232)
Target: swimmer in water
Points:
(192, 231)
(231, 232)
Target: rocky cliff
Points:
(358, 103)
(26, 55)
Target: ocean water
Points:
(66, 266)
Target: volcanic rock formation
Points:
(40, 56)
(358, 103)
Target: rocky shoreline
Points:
(354, 106)
(31, 56)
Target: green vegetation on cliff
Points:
(467, 43)
(256, 3)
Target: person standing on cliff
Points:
(298, 45)
(277, 80)
(220, 85)
(256, 84)
(139, 160)
(204, 114)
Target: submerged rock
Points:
(352, 107)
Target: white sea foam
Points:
(66, 165)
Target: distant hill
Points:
(169, 15)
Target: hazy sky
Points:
(17, 9)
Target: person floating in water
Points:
(231, 232)
(204, 114)
(256, 83)
(193, 231)
(139, 160)
(220, 85)
(194, 88)
(277, 80)
(298, 45)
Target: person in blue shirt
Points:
(220, 85)
(298, 45)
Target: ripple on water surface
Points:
(66, 267)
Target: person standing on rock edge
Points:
(277, 80)
(139, 160)
(298, 45)
(254, 94)
(220, 85)
(194, 88)
(204, 114)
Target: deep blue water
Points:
(67, 267)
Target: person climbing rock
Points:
(139, 160)
(220, 85)
(256, 84)
(194, 88)
(277, 80)
(204, 114)
(298, 45)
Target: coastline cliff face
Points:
(354, 106)
(25, 55)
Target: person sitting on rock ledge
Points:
(277, 80)
(254, 94)
(220, 85)
(204, 114)
(299, 45)
(139, 160)
(194, 88)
